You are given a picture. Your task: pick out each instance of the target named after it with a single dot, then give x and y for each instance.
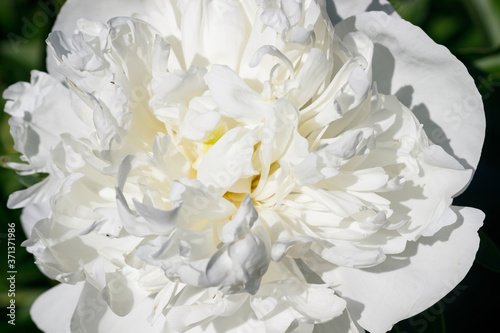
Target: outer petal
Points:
(398, 288)
(52, 310)
(341, 324)
(93, 315)
(40, 114)
(428, 79)
(32, 214)
(96, 10)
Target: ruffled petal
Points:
(407, 284)
(39, 115)
(225, 159)
(32, 214)
(342, 324)
(428, 79)
(234, 97)
(93, 315)
(213, 32)
(52, 310)
(228, 160)
(95, 10)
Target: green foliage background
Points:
(469, 28)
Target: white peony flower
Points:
(244, 166)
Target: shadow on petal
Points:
(377, 6)
(383, 68)
(355, 308)
(436, 132)
(405, 95)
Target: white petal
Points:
(437, 183)
(40, 192)
(317, 303)
(93, 315)
(346, 254)
(198, 203)
(342, 324)
(428, 79)
(32, 214)
(52, 310)
(169, 158)
(213, 32)
(40, 114)
(240, 265)
(241, 223)
(147, 221)
(234, 97)
(184, 317)
(309, 77)
(123, 291)
(200, 119)
(173, 90)
(280, 128)
(400, 288)
(95, 10)
(228, 160)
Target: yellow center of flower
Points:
(214, 136)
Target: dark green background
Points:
(469, 28)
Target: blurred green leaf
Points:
(6, 141)
(30, 180)
(489, 64)
(444, 27)
(488, 255)
(415, 11)
(23, 53)
(487, 15)
(7, 19)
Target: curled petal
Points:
(428, 79)
(405, 287)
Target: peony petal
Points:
(309, 77)
(228, 160)
(240, 265)
(213, 31)
(381, 296)
(40, 115)
(183, 317)
(317, 303)
(200, 120)
(95, 10)
(40, 192)
(342, 324)
(93, 315)
(198, 202)
(123, 291)
(428, 79)
(32, 214)
(234, 97)
(241, 223)
(52, 310)
(227, 134)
